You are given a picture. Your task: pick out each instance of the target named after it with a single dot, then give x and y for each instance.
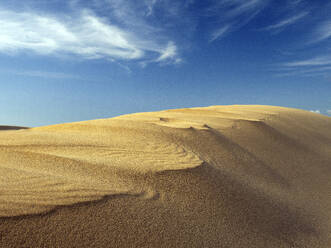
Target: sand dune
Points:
(220, 176)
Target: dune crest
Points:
(219, 176)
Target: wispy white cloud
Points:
(234, 7)
(301, 73)
(318, 66)
(232, 14)
(86, 35)
(322, 32)
(317, 61)
(45, 74)
(302, 69)
(244, 7)
(316, 111)
(170, 52)
(219, 33)
(286, 22)
(150, 6)
(129, 14)
(295, 2)
(317, 28)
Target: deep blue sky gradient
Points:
(189, 53)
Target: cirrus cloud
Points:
(85, 35)
(287, 21)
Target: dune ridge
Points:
(218, 176)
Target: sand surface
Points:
(220, 176)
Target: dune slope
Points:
(220, 176)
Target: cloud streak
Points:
(286, 22)
(244, 7)
(317, 66)
(219, 33)
(323, 32)
(169, 52)
(232, 14)
(317, 61)
(45, 74)
(87, 36)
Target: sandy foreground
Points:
(220, 176)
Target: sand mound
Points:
(221, 176)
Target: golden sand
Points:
(221, 176)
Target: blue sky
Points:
(72, 60)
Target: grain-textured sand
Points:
(221, 176)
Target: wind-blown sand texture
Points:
(220, 176)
